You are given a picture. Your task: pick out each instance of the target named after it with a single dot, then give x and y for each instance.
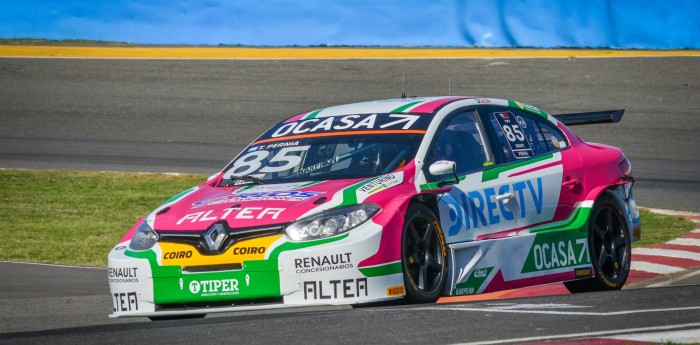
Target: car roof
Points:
(414, 105)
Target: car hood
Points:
(244, 207)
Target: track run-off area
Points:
(184, 109)
(315, 53)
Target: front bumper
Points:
(262, 273)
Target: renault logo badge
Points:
(214, 237)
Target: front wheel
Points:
(423, 255)
(610, 247)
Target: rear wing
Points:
(594, 117)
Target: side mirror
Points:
(443, 168)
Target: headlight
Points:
(330, 223)
(144, 238)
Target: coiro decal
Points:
(248, 250)
(177, 255)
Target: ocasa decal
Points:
(348, 122)
(556, 250)
(559, 254)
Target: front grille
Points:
(195, 238)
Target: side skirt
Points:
(549, 255)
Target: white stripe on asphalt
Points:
(554, 312)
(685, 241)
(689, 336)
(654, 268)
(669, 282)
(587, 334)
(681, 254)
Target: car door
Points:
(526, 169)
(471, 208)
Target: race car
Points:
(410, 198)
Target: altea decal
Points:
(334, 289)
(238, 213)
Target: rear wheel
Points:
(610, 247)
(423, 255)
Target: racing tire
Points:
(610, 248)
(423, 255)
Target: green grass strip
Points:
(660, 228)
(75, 218)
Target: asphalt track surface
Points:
(195, 115)
(67, 315)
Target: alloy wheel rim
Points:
(610, 244)
(423, 254)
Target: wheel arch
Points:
(428, 199)
(613, 189)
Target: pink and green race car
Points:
(411, 198)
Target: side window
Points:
(551, 136)
(521, 136)
(461, 140)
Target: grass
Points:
(75, 218)
(659, 228)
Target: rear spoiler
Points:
(594, 117)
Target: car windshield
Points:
(338, 149)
